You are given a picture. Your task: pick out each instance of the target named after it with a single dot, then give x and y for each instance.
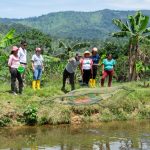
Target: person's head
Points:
(14, 50)
(38, 50)
(23, 44)
(109, 56)
(78, 56)
(87, 54)
(94, 50)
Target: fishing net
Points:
(87, 96)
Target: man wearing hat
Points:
(86, 68)
(14, 64)
(69, 71)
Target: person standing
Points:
(38, 67)
(108, 69)
(95, 57)
(86, 68)
(14, 64)
(69, 71)
(22, 54)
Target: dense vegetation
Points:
(85, 25)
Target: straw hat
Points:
(14, 48)
(87, 52)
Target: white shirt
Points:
(22, 54)
(87, 63)
(37, 60)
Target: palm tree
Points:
(137, 31)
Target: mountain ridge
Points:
(72, 24)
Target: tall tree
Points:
(137, 31)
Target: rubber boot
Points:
(38, 84)
(94, 83)
(91, 83)
(34, 85)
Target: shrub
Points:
(4, 121)
(106, 115)
(30, 115)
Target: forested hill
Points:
(69, 24)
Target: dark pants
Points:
(94, 72)
(86, 76)
(16, 75)
(66, 75)
(105, 74)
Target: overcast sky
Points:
(29, 8)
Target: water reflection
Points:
(106, 136)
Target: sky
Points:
(31, 8)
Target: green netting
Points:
(87, 96)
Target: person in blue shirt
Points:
(108, 69)
(95, 57)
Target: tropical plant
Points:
(137, 31)
(69, 49)
(8, 39)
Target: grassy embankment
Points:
(27, 109)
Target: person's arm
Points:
(103, 66)
(10, 62)
(80, 66)
(32, 62)
(32, 65)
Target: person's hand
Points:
(102, 72)
(43, 69)
(33, 69)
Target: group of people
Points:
(17, 64)
(88, 64)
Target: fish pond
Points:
(131, 135)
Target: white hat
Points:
(94, 49)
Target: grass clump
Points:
(59, 114)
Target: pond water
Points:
(105, 136)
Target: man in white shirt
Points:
(22, 54)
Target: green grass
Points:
(122, 106)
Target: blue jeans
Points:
(37, 73)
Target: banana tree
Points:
(8, 39)
(71, 48)
(135, 28)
